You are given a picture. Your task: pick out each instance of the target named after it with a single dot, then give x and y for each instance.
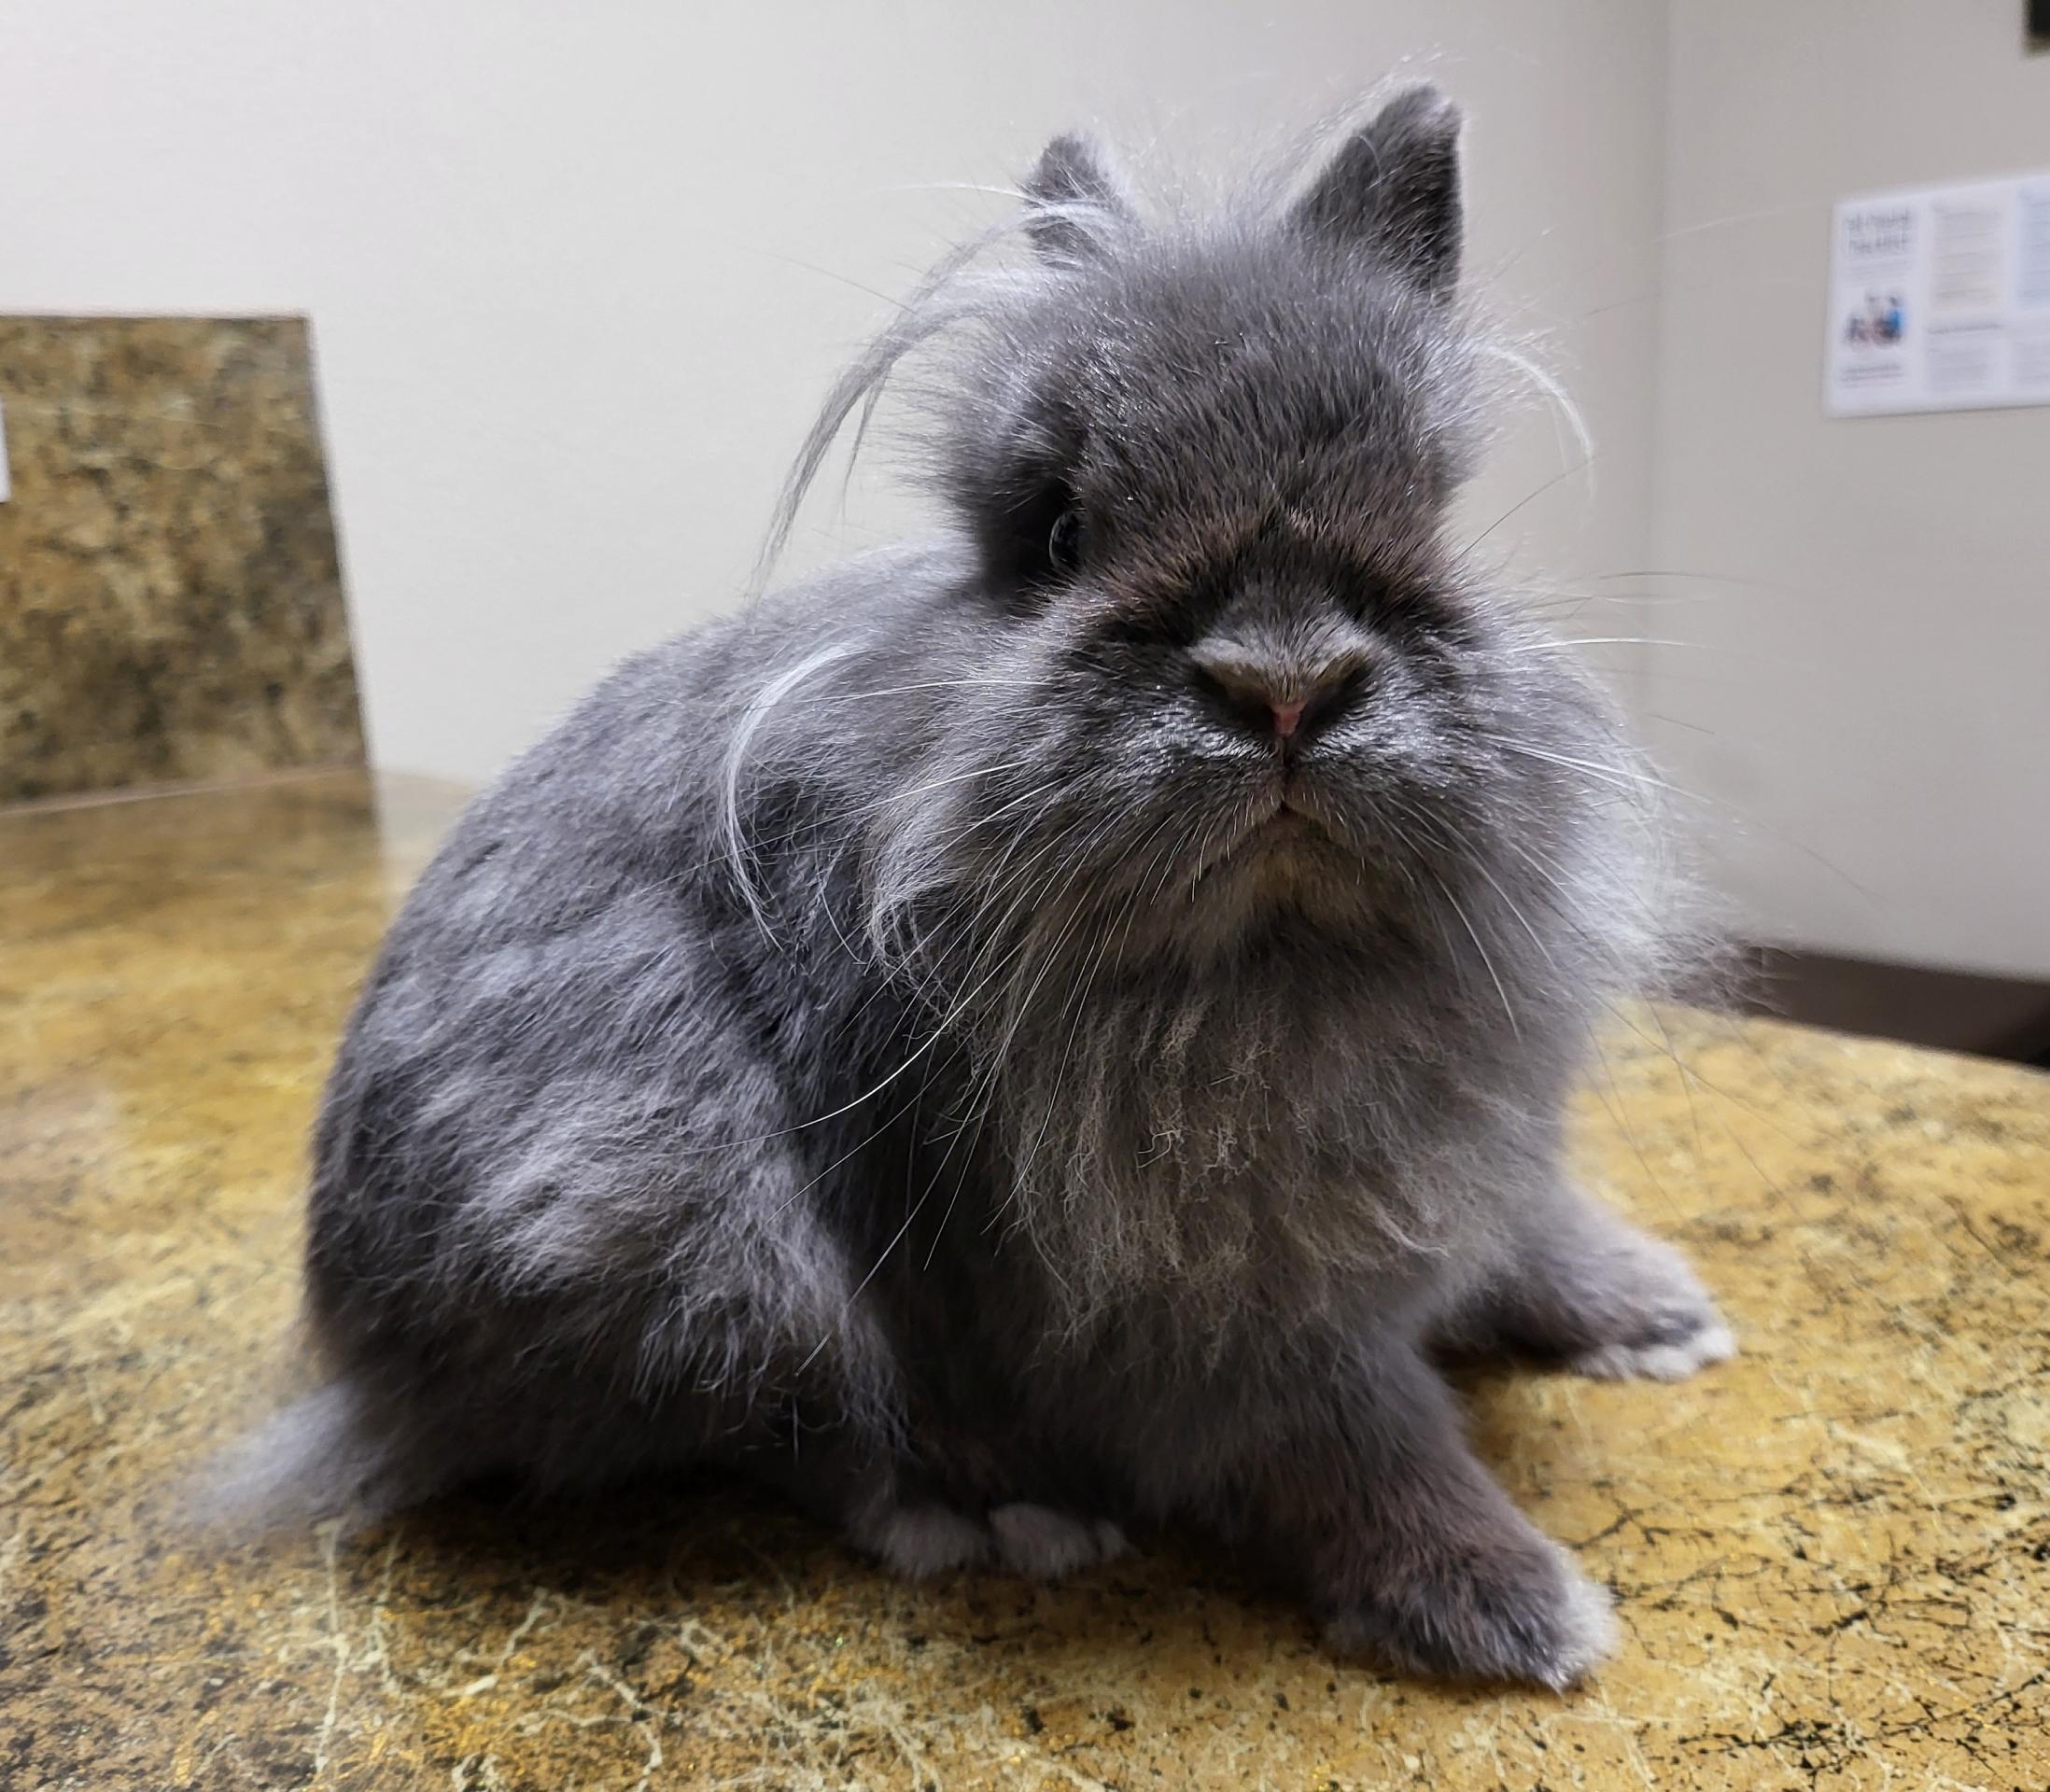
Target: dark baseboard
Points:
(1993, 1017)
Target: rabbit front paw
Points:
(1523, 1613)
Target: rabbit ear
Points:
(1071, 196)
(1395, 187)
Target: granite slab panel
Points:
(171, 602)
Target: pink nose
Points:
(1288, 718)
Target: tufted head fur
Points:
(1253, 838)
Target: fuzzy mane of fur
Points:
(1159, 1127)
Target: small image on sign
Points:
(1878, 323)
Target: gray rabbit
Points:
(1058, 1026)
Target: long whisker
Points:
(1493, 975)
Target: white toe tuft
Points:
(919, 1541)
(1714, 1343)
(1038, 1541)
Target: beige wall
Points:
(1867, 692)
(579, 274)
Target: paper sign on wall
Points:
(1940, 299)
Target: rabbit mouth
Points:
(1282, 818)
(1296, 806)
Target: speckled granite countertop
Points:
(1832, 1556)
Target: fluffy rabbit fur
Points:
(1054, 1026)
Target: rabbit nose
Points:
(1284, 702)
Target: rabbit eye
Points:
(1065, 539)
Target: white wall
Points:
(578, 273)
(1871, 662)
